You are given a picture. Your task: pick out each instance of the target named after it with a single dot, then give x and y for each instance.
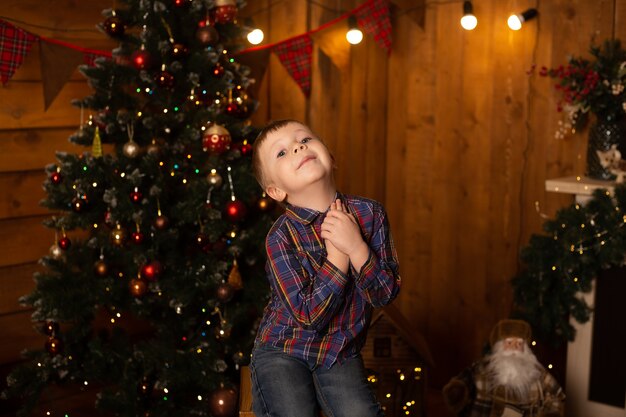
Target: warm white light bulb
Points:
(514, 22)
(469, 22)
(256, 36)
(354, 36)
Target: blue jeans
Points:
(284, 386)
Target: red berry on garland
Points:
(53, 345)
(141, 58)
(56, 177)
(235, 211)
(113, 26)
(65, 243)
(216, 139)
(135, 195)
(225, 11)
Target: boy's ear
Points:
(276, 193)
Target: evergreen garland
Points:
(560, 265)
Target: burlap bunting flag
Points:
(58, 63)
(332, 41)
(296, 55)
(257, 61)
(373, 18)
(15, 43)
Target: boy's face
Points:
(292, 158)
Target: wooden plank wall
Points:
(450, 131)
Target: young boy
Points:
(331, 259)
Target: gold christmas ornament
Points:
(96, 147)
(56, 252)
(234, 277)
(214, 178)
(131, 149)
(118, 235)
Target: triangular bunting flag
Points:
(417, 12)
(257, 61)
(373, 18)
(295, 54)
(14, 45)
(57, 65)
(332, 41)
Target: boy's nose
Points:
(299, 147)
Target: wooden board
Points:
(24, 240)
(16, 281)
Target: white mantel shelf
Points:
(581, 187)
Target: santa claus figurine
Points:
(508, 382)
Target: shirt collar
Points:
(306, 215)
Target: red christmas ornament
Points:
(53, 345)
(137, 237)
(223, 402)
(206, 33)
(135, 196)
(165, 79)
(245, 148)
(65, 243)
(181, 3)
(232, 109)
(225, 11)
(151, 271)
(113, 27)
(218, 70)
(56, 177)
(216, 139)
(51, 328)
(179, 51)
(224, 292)
(138, 287)
(235, 211)
(140, 58)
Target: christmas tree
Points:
(153, 285)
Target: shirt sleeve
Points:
(379, 278)
(312, 300)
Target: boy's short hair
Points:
(273, 126)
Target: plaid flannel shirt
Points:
(316, 312)
(545, 397)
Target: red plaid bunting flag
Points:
(296, 55)
(373, 17)
(15, 43)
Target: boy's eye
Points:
(305, 140)
(281, 153)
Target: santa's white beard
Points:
(513, 369)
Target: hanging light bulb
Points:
(354, 34)
(515, 21)
(468, 21)
(255, 36)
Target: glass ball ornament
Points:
(214, 179)
(153, 149)
(136, 196)
(56, 178)
(53, 345)
(101, 268)
(164, 79)
(151, 271)
(118, 235)
(207, 34)
(225, 11)
(218, 70)
(141, 58)
(179, 51)
(113, 26)
(265, 203)
(65, 243)
(223, 402)
(161, 222)
(131, 149)
(137, 237)
(138, 287)
(224, 292)
(56, 252)
(216, 139)
(51, 327)
(235, 211)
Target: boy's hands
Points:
(342, 233)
